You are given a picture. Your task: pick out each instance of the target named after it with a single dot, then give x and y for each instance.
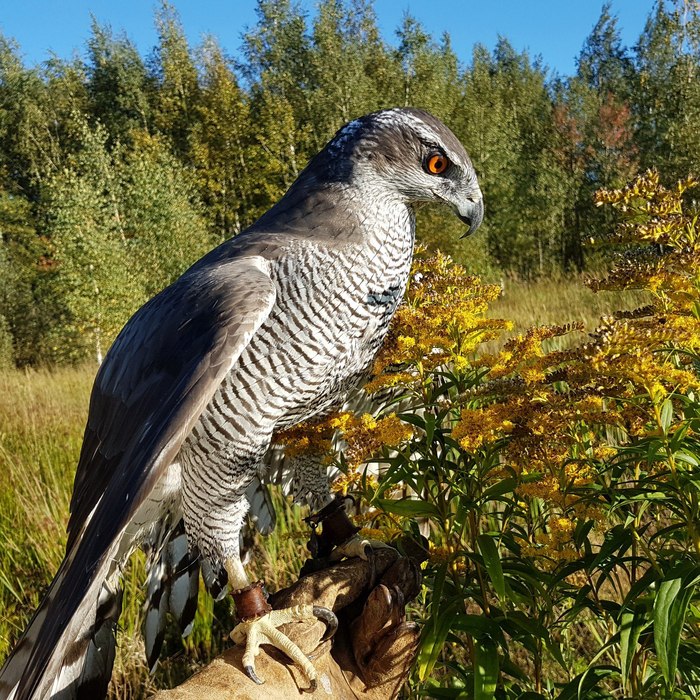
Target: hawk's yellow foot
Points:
(339, 536)
(259, 625)
(356, 546)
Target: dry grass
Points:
(558, 302)
(41, 422)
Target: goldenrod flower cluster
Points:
(555, 544)
(443, 319)
(555, 417)
(363, 435)
(476, 427)
(307, 439)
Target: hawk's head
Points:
(410, 153)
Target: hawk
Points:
(271, 328)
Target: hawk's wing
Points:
(156, 380)
(158, 377)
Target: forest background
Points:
(118, 171)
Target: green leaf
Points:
(616, 539)
(668, 591)
(485, 669)
(670, 607)
(507, 485)
(666, 414)
(632, 623)
(584, 682)
(479, 627)
(641, 587)
(687, 457)
(528, 624)
(433, 641)
(438, 626)
(492, 564)
(554, 648)
(429, 428)
(413, 419)
(408, 507)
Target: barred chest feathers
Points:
(347, 308)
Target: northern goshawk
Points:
(271, 328)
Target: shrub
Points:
(560, 489)
(7, 354)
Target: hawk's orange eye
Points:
(437, 163)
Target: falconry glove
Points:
(369, 657)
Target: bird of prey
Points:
(271, 328)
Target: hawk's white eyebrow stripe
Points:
(347, 133)
(391, 117)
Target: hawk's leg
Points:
(339, 536)
(259, 622)
(214, 519)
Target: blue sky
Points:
(554, 29)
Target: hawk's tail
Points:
(173, 587)
(73, 661)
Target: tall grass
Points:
(558, 302)
(42, 416)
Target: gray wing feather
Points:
(155, 382)
(173, 587)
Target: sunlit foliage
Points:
(558, 489)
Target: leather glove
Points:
(369, 658)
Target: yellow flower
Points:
(392, 431)
(441, 321)
(476, 427)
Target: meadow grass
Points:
(42, 416)
(558, 301)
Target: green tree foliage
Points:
(38, 111)
(177, 94)
(223, 153)
(118, 84)
(667, 93)
(23, 311)
(162, 218)
(594, 134)
(604, 64)
(153, 159)
(429, 75)
(353, 72)
(278, 67)
(93, 278)
(508, 126)
(122, 225)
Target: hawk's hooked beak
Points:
(471, 211)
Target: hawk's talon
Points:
(263, 630)
(328, 617)
(250, 672)
(313, 686)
